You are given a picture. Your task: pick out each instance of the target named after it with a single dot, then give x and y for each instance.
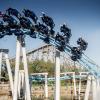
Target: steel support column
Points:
(46, 86)
(9, 72)
(21, 44)
(88, 88)
(94, 90)
(57, 76)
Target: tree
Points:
(39, 66)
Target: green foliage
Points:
(39, 66)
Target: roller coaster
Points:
(27, 24)
(12, 22)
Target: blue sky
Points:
(82, 16)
